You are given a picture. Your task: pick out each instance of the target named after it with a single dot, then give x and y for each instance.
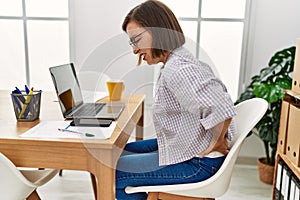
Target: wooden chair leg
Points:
(94, 184)
(33, 196)
(166, 196)
(152, 196)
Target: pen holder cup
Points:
(27, 106)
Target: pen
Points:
(26, 104)
(26, 89)
(16, 100)
(30, 108)
(17, 91)
(71, 131)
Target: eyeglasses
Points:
(133, 41)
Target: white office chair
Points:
(18, 184)
(249, 114)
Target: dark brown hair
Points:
(161, 22)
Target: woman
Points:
(192, 110)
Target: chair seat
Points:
(204, 188)
(199, 189)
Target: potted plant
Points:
(270, 84)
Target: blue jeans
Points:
(138, 166)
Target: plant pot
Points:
(265, 171)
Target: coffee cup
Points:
(115, 89)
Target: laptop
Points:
(70, 97)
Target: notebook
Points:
(70, 97)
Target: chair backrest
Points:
(249, 113)
(13, 185)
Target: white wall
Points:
(95, 21)
(275, 24)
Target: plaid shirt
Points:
(189, 102)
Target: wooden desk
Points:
(99, 157)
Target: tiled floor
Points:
(75, 185)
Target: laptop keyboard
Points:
(89, 109)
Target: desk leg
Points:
(103, 174)
(140, 128)
(105, 183)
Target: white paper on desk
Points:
(49, 129)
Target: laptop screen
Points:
(67, 86)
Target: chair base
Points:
(166, 196)
(33, 196)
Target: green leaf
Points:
(270, 92)
(284, 82)
(261, 90)
(276, 93)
